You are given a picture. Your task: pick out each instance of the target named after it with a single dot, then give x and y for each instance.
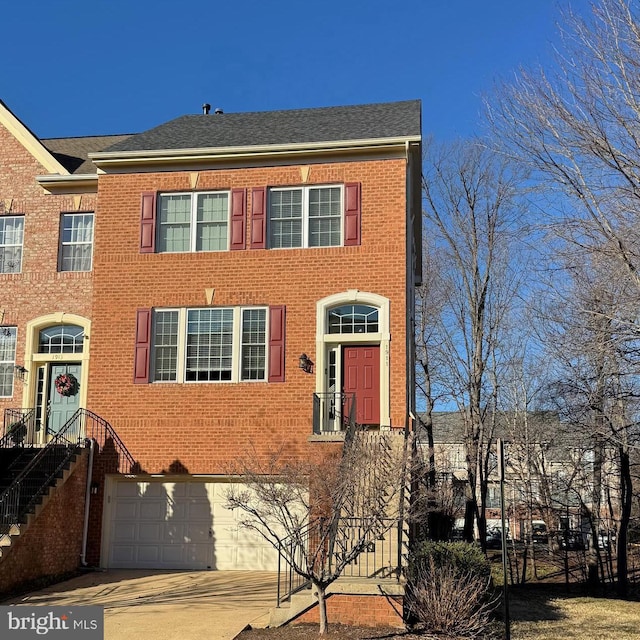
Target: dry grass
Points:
(537, 614)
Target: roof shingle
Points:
(359, 122)
(72, 153)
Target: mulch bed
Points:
(336, 632)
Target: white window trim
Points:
(305, 215)
(326, 340)
(236, 363)
(193, 219)
(70, 244)
(21, 245)
(11, 362)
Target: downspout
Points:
(87, 504)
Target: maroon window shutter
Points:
(238, 219)
(259, 218)
(143, 347)
(148, 223)
(352, 214)
(276, 343)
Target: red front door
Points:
(361, 376)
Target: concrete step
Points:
(298, 604)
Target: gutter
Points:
(87, 504)
(77, 183)
(108, 158)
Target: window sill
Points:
(336, 436)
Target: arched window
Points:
(353, 318)
(62, 338)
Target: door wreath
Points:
(66, 384)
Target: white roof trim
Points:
(205, 153)
(76, 183)
(29, 141)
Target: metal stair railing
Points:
(19, 428)
(19, 498)
(333, 412)
(101, 431)
(292, 547)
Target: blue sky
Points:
(80, 67)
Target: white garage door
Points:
(180, 525)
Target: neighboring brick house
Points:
(252, 281)
(46, 246)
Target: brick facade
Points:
(360, 610)
(205, 426)
(201, 428)
(51, 546)
(39, 289)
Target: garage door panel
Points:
(125, 532)
(182, 526)
(150, 532)
(123, 554)
(128, 489)
(147, 554)
(153, 510)
(126, 510)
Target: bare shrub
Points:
(445, 599)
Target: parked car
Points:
(572, 540)
(606, 539)
(539, 532)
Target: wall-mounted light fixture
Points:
(20, 373)
(305, 364)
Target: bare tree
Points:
(322, 514)
(578, 128)
(593, 359)
(471, 211)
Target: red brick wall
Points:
(204, 426)
(362, 610)
(51, 546)
(39, 289)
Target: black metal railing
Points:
(333, 412)
(21, 496)
(380, 555)
(373, 545)
(25, 491)
(291, 550)
(19, 428)
(101, 431)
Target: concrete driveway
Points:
(156, 605)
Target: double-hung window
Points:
(7, 360)
(193, 222)
(305, 217)
(76, 242)
(226, 344)
(11, 239)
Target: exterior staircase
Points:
(30, 471)
(23, 507)
(378, 569)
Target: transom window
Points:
(11, 239)
(76, 242)
(209, 345)
(353, 318)
(193, 222)
(7, 360)
(305, 217)
(63, 338)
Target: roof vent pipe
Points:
(206, 107)
(218, 111)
